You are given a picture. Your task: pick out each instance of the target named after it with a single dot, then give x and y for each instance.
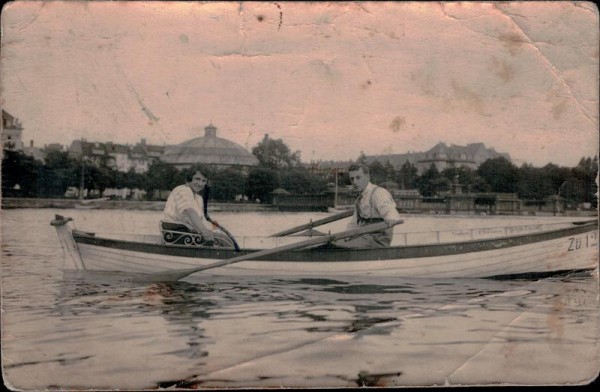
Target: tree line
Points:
(279, 167)
(23, 176)
(498, 175)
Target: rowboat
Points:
(504, 251)
(493, 252)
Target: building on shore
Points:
(120, 157)
(12, 132)
(328, 167)
(397, 160)
(12, 138)
(142, 155)
(209, 150)
(35, 152)
(442, 157)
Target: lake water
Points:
(66, 330)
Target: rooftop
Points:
(209, 150)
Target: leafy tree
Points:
(573, 190)
(130, 179)
(59, 160)
(53, 182)
(500, 174)
(390, 171)
(557, 177)
(261, 182)
(162, 176)
(96, 178)
(378, 172)
(479, 185)
(586, 173)
(19, 174)
(227, 184)
(56, 175)
(426, 183)
(301, 181)
(343, 179)
(441, 185)
(527, 184)
(274, 154)
(466, 177)
(407, 176)
(362, 159)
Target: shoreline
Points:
(18, 203)
(15, 203)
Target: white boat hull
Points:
(573, 251)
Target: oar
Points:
(173, 275)
(224, 230)
(316, 223)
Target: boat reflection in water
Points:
(156, 322)
(267, 332)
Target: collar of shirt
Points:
(365, 194)
(363, 202)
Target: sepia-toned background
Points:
(330, 79)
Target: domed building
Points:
(209, 150)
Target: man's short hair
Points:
(358, 166)
(189, 172)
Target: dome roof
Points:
(208, 150)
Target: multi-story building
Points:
(93, 153)
(34, 152)
(117, 156)
(397, 160)
(53, 147)
(326, 168)
(12, 132)
(442, 156)
(142, 155)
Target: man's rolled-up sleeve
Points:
(385, 205)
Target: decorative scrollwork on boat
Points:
(174, 237)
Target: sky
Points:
(330, 79)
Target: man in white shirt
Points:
(374, 204)
(185, 207)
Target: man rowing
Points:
(374, 204)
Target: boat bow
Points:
(72, 258)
